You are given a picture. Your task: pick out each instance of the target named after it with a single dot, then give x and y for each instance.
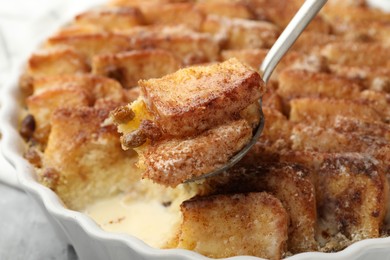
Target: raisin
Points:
(122, 115)
(27, 127)
(133, 139)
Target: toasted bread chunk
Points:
(83, 160)
(58, 61)
(252, 57)
(323, 111)
(374, 78)
(357, 54)
(173, 14)
(96, 86)
(290, 183)
(42, 105)
(229, 9)
(315, 40)
(89, 45)
(379, 31)
(281, 12)
(239, 224)
(188, 46)
(343, 135)
(351, 196)
(241, 33)
(51, 93)
(129, 67)
(379, 101)
(340, 17)
(174, 161)
(195, 99)
(111, 18)
(300, 83)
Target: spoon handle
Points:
(302, 18)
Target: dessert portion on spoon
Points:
(191, 122)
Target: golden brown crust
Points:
(89, 45)
(130, 67)
(290, 183)
(239, 224)
(229, 9)
(195, 99)
(301, 83)
(87, 156)
(322, 111)
(352, 194)
(241, 33)
(174, 161)
(188, 46)
(173, 14)
(357, 54)
(111, 18)
(54, 62)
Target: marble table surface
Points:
(25, 232)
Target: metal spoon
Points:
(300, 21)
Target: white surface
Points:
(25, 231)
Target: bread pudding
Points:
(317, 178)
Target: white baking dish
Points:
(88, 239)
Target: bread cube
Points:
(239, 224)
(83, 160)
(194, 99)
(315, 40)
(174, 161)
(111, 18)
(229, 9)
(352, 196)
(173, 14)
(89, 45)
(379, 101)
(301, 83)
(56, 61)
(41, 107)
(281, 12)
(323, 111)
(357, 54)
(130, 67)
(241, 33)
(374, 78)
(188, 46)
(343, 135)
(97, 87)
(291, 183)
(51, 93)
